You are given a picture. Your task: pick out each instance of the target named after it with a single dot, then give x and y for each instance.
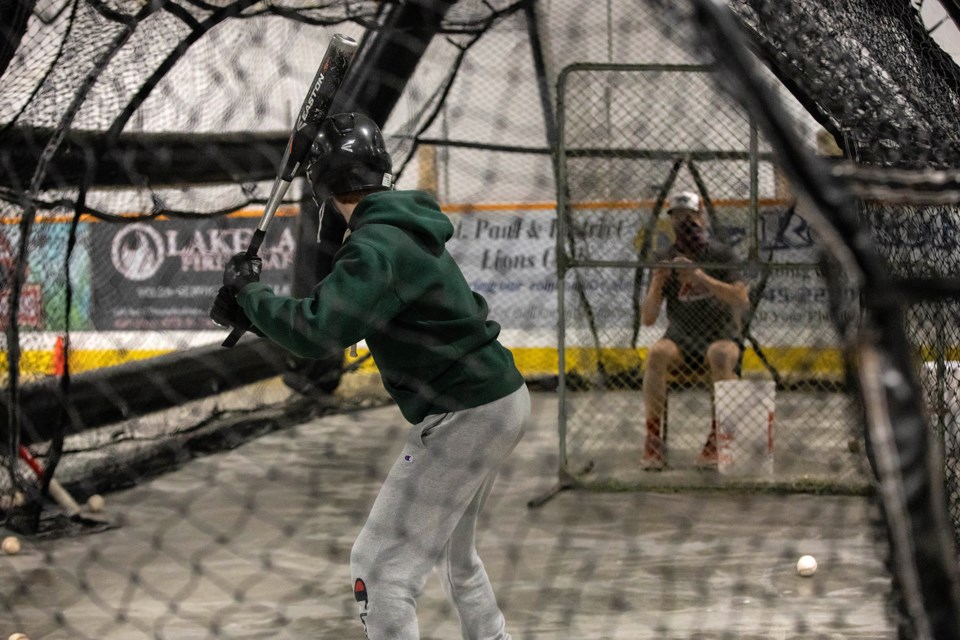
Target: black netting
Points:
(874, 76)
(138, 146)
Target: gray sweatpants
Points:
(425, 516)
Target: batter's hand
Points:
(228, 313)
(240, 271)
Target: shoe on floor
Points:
(653, 455)
(707, 458)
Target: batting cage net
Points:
(752, 384)
(719, 240)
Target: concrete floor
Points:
(255, 543)
(813, 431)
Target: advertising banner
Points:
(43, 290)
(164, 274)
(510, 258)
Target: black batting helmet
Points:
(348, 154)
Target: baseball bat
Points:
(316, 104)
(57, 492)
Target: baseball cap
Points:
(685, 200)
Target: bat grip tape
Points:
(255, 243)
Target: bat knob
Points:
(234, 337)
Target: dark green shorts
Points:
(693, 349)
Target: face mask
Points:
(691, 238)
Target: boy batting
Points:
(394, 285)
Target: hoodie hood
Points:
(415, 212)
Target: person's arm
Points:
(734, 294)
(653, 299)
(354, 300)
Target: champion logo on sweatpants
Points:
(408, 458)
(360, 593)
(360, 590)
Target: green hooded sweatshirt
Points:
(394, 285)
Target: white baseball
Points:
(10, 545)
(807, 566)
(95, 503)
(18, 636)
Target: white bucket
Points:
(745, 411)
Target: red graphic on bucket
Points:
(770, 432)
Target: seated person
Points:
(703, 311)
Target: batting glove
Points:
(240, 271)
(228, 313)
